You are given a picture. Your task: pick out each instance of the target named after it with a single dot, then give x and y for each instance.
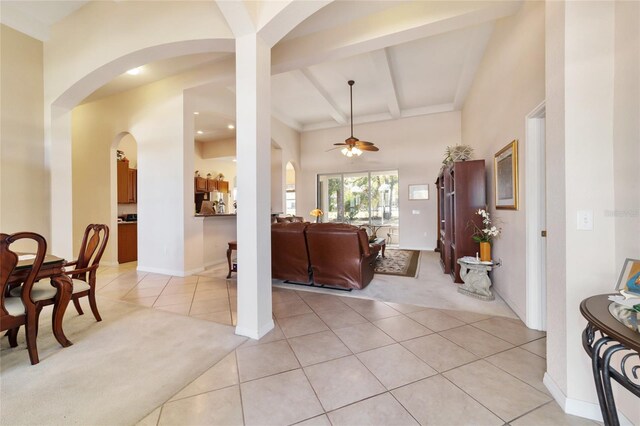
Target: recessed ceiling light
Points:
(134, 71)
(196, 113)
(231, 126)
(199, 132)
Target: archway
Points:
(290, 189)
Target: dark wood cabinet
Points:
(132, 187)
(200, 184)
(212, 185)
(127, 183)
(461, 192)
(123, 182)
(223, 186)
(127, 242)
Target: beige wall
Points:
(24, 183)
(152, 115)
(509, 84)
(414, 146)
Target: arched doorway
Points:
(290, 189)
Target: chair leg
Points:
(13, 337)
(36, 326)
(93, 304)
(76, 303)
(31, 333)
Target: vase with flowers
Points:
(485, 235)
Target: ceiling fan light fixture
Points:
(352, 143)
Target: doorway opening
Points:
(290, 189)
(536, 245)
(127, 197)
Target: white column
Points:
(253, 139)
(59, 161)
(580, 78)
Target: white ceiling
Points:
(407, 76)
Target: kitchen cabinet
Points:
(223, 186)
(212, 185)
(200, 184)
(132, 188)
(127, 242)
(127, 183)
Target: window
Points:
(364, 198)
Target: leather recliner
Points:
(289, 254)
(340, 255)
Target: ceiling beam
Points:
(381, 62)
(404, 23)
(307, 77)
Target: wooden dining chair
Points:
(18, 311)
(86, 265)
(83, 275)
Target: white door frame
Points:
(535, 211)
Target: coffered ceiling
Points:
(407, 59)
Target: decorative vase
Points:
(485, 251)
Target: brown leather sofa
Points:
(289, 255)
(337, 255)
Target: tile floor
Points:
(335, 360)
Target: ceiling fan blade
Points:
(333, 149)
(368, 148)
(364, 143)
(340, 144)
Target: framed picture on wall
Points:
(419, 192)
(629, 279)
(505, 177)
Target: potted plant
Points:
(485, 235)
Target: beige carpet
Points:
(116, 372)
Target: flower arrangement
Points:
(488, 231)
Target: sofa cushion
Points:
(289, 255)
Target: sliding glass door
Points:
(363, 198)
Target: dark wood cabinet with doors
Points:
(127, 242)
(202, 185)
(127, 183)
(461, 192)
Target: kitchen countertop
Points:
(128, 223)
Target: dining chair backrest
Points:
(92, 248)
(9, 261)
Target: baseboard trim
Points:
(576, 407)
(251, 333)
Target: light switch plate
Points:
(415, 211)
(585, 220)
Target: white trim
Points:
(535, 312)
(251, 333)
(576, 407)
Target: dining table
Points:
(52, 269)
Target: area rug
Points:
(116, 372)
(403, 263)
